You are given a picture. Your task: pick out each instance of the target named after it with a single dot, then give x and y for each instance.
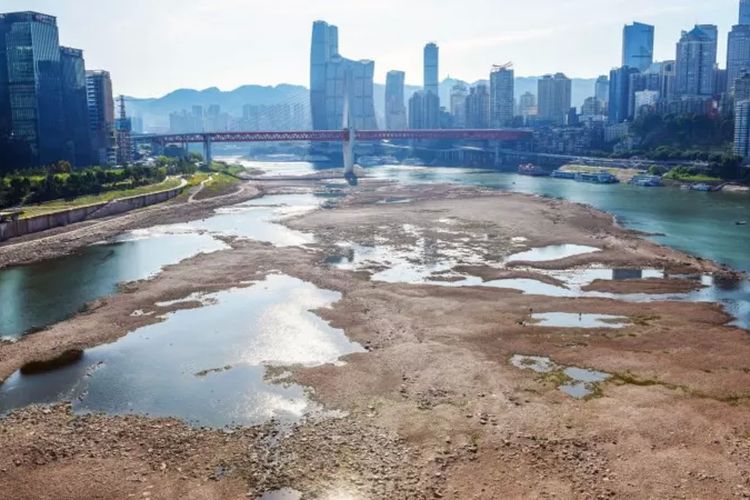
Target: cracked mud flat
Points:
(434, 408)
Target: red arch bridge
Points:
(346, 136)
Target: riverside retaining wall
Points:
(14, 228)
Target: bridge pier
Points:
(348, 152)
(207, 156)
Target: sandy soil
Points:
(434, 408)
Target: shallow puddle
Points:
(282, 494)
(552, 252)
(573, 320)
(258, 219)
(40, 294)
(579, 382)
(206, 366)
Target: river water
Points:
(153, 370)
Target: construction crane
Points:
(499, 67)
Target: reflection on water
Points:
(43, 293)
(203, 365)
(577, 382)
(46, 292)
(580, 320)
(552, 252)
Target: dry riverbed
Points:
(435, 407)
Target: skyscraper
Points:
(5, 121)
(101, 117)
(501, 96)
(601, 88)
(738, 53)
(696, 61)
(431, 58)
(124, 129)
(478, 107)
(424, 110)
(395, 110)
(78, 139)
(458, 104)
(331, 76)
(34, 84)
(638, 46)
(554, 98)
(527, 105)
(742, 129)
(619, 93)
(744, 11)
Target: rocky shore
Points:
(435, 407)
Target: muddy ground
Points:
(434, 408)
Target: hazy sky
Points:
(155, 46)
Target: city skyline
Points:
(541, 38)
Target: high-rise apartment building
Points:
(478, 108)
(501, 96)
(601, 88)
(431, 68)
(332, 77)
(395, 109)
(424, 110)
(554, 98)
(638, 46)
(696, 61)
(459, 92)
(742, 129)
(619, 93)
(32, 86)
(738, 53)
(101, 117)
(77, 147)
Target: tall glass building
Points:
(744, 11)
(738, 53)
(696, 61)
(101, 106)
(431, 64)
(34, 84)
(395, 109)
(501, 97)
(638, 46)
(331, 75)
(77, 147)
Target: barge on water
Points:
(593, 177)
(532, 170)
(644, 180)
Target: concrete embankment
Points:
(20, 227)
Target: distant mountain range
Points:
(155, 111)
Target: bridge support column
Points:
(349, 153)
(207, 156)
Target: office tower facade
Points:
(332, 77)
(501, 97)
(638, 46)
(696, 61)
(395, 109)
(554, 98)
(738, 53)
(431, 68)
(5, 116)
(742, 129)
(601, 88)
(101, 117)
(34, 84)
(424, 110)
(77, 147)
(478, 108)
(459, 92)
(744, 11)
(619, 94)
